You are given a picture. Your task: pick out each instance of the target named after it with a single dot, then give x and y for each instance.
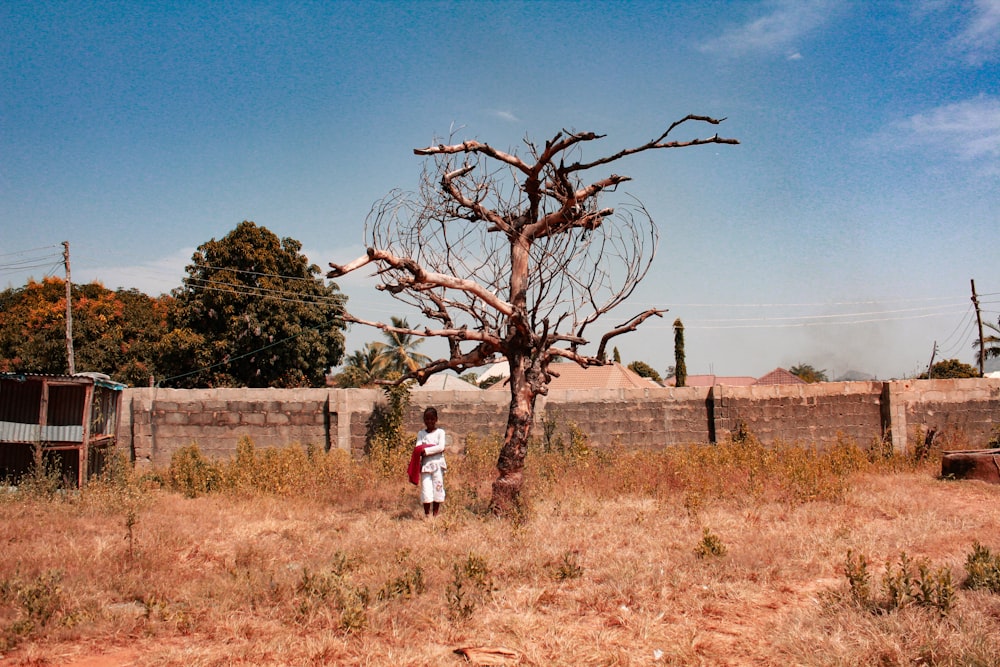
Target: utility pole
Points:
(930, 366)
(979, 321)
(69, 312)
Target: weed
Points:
(471, 584)
(902, 586)
(387, 444)
(329, 589)
(982, 569)
(710, 545)
(569, 566)
(406, 585)
(43, 479)
(38, 600)
(191, 473)
(859, 579)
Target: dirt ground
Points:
(721, 632)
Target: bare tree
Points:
(514, 256)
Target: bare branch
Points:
(631, 325)
(338, 270)
(423, 279)
(474, 147)
(480, 211)
(659, 143)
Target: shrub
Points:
(710, 545)
(471, 583)
(982, 569)
(191, 473)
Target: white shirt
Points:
(434, 454)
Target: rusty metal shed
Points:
(70, 421)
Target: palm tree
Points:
(399, 351)
(362, 368)
(991, 342)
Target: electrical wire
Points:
(230, 360)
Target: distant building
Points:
(567, 375)
(445, 382)
(777, 376)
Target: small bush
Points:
(191, 473)
(982, 569)
(859, 579)
(901, 585)
(710, 545)
(471, 584)
(329, 590)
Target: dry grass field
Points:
(733, 554)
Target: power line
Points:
(822, 304)
(266, 293)
(25, 252)
(967, 322)
(785, 325)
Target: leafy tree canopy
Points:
(808, 373)
(253, 312)
(950, 368)
(645, 370)
(114, 332)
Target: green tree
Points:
(615, 356)
(257, 312)
(808, 373)
(114, 332)
(950, 368)
(680, 367)
(362, 368)
(644, 369)
(400, 347)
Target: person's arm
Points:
(439, 446)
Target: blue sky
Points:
(842, 232)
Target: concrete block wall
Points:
(157, 422)
(964, 413)
(818, 413)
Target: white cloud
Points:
(980, 40)
(969, 130)
(155, 277)
(508, 116)
(786, 22)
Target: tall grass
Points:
(725, 554)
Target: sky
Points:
(843, 232)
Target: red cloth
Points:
(413, 470)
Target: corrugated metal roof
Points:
(99, 379)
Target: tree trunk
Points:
(506, 499)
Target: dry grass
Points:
(725, 555)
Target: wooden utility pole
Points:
(69, 312)
(930, 366)
(979, 321)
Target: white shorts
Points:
(432, 486)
